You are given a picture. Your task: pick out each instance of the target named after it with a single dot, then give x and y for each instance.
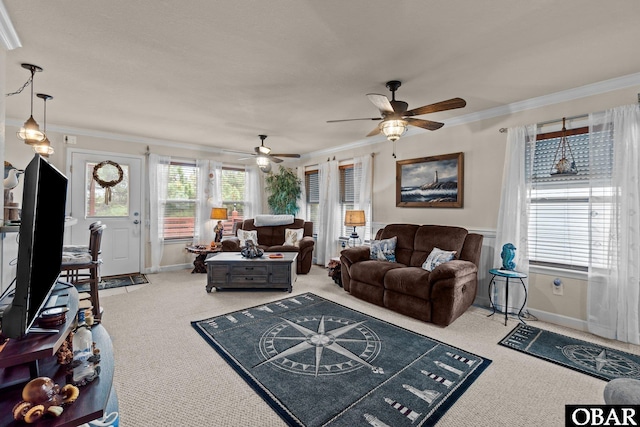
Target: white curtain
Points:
(302, 202)
(329, 216)
(513, 216)
(203, 229)
(158, 179)
(253, 192)
(613, 303)
(363, 189)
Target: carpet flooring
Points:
(298, 351)
(592, 359)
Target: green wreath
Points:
(107, 184)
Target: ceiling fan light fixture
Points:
(262, 161)
(393, 129)
(265, 169)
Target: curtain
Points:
(158, 179)
(613, 301)
(329, 216)
(363, 187)
(513, 215)
(203, 228)
(253, 192)
(302, 201)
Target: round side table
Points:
(507, 274)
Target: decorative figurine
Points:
(217, 231)
(42, 396)
(251, 250)
(508, 254)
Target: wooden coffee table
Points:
(230, 270)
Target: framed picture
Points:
(431, 182)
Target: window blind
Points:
(562, 209)
(180, 207)
(312, 185)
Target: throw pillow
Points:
(245, 235)
(384, 250)
(437, 257)
(292, 236)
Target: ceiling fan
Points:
(396, 116)
(264, 157)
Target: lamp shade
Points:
(30, 132)
(393, 129)
(354, 219)
(219, 213)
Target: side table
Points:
(507, 274)
(201, 251)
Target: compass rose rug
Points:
(592, 359)
(318, 363)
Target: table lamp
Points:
(354, 219)
(219, 214)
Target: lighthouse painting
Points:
(430, 181)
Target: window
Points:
(233, 186)
(180, 208)
(349, 176)
(562, 208)
(312, 186)
(118, 206)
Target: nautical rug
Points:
(592, 359)
(318, 363)
(110, 282)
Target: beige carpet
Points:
(167, 375)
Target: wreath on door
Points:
(107, 185)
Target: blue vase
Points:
(508, 255)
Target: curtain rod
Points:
(549, 122)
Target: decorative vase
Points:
(250, 250)
(508, 255)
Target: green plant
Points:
(284, 190)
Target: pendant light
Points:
(563, 161)
(44, 147)
(30, 132)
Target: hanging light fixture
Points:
(30, 132)
(393, 129)
(44, 147)
(563, 165)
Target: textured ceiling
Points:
(219, 73)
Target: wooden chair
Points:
(82, 265)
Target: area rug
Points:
(592, 359)
(110, 282)
(318, 363)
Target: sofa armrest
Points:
(356, 254)
(232, 244)
(306, 242)
(452, 269)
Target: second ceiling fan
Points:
(396, 116)
(264, 157)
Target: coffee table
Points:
(230, 270)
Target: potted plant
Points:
(284, 191)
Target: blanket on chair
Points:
(269, 220)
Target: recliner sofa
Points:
(439, 296)
(271, 239)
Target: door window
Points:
(97, 203)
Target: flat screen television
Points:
(40, 245)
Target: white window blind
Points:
(562, 207)
(180, 208)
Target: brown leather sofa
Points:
(271, 239)
(439, 296)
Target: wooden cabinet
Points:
(229, 270)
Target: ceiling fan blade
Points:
(275, 159)
(374, 132)
(381, 102)
(247, 158)
(351, 120)
(449, 104)
(425, 124)
(295, 156)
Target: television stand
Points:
(34, 355)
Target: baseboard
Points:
(560, 320)
(166, 268)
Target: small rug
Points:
(110, 282)
(318, 363)
(592, 359)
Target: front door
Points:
(116, 203)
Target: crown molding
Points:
(8, 35)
